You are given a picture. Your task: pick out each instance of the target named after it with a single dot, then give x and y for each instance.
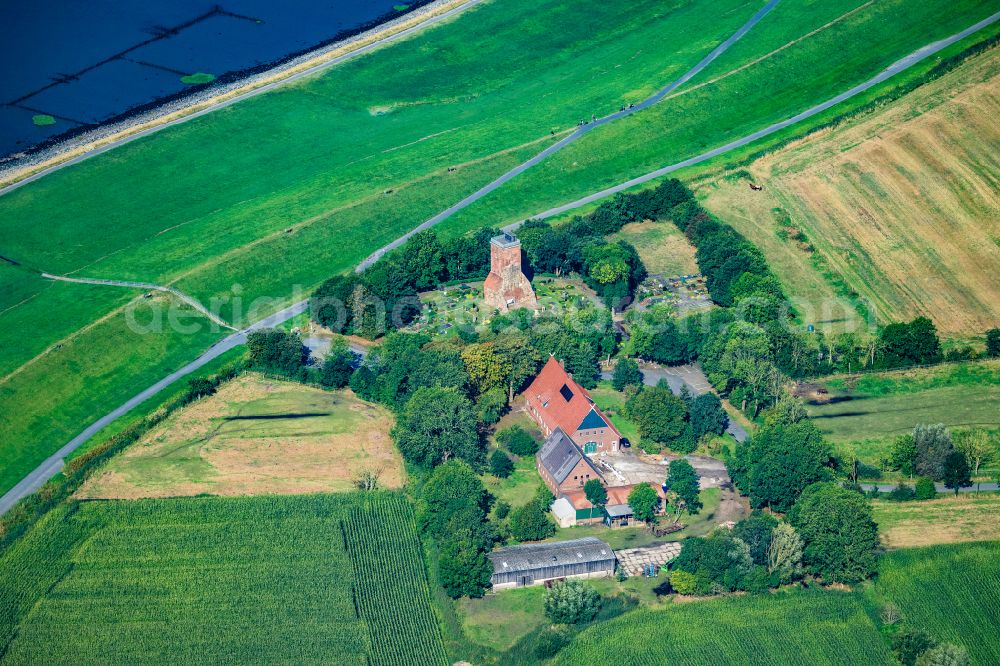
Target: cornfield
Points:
(806, 627)
(220, 580)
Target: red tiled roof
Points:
(548, 395)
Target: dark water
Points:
(87, 61)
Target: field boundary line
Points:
(190, 300)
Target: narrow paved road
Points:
(402, 34)
(984, 487)
(584, 129)
(53, 464)
(193, 302)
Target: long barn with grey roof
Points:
(531, 564)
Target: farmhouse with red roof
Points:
(554, 400)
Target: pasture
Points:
(256, 436)
(313, 579)
(901, 207)
(948, 519)
(867, 412)
(249, 207)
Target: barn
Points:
(534, 563)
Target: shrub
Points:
(570, 602)
(683, 582)
(902, 493)
(518, 441)
(500, 465)
(502, 509)
(925, 489)
(626, 373)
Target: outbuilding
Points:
(535, 563)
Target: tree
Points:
(627, 373)
(945, 654)
(993, 342)
(908, 644)
(531, 523)
(596, 493)
(784, 553)
(788, 458)
(518, 441)
(338, 365)
(570, 602)
(682, 488)
(903, 456)
(976, 447)
(660, 417)
(956, 471)
(490, 406)
(756, 531)
(464, 567)
(451, 489)
(485, 366)
(924, 489)
(274, 350)
(436, 424)
(199, 387)
(841, 539)
(683, 582)
(708, 416)
(500, 465)
(933, 444)
(644, 502)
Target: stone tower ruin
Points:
(506, 287)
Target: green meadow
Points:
(266, 198)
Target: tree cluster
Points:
(665, 420)
(384, 297)
(931, 453)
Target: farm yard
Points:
(480, 95)
(209, 580)
(900, 207)
(256, 436)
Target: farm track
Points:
(53, 463)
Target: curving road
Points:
(51, 466)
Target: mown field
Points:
(662, 248)
(312, 579)
(256, 436)
(949, 519)
(953, 592)
(291, 186)
(902, 207)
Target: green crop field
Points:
(311, 579)
(953, 592)
(268, 197)
(789, 628)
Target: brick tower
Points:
(506, 287)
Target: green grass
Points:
(198, 78)
(328, 150)
(947, 519)
(520, 487)
(612, 403)
(811, 627)
(43, 120)
(953, 592)
(209, 580)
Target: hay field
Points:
(256, 436)
(949, 519)
(662, 247)
(903, 207)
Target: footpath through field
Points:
(52, 465)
